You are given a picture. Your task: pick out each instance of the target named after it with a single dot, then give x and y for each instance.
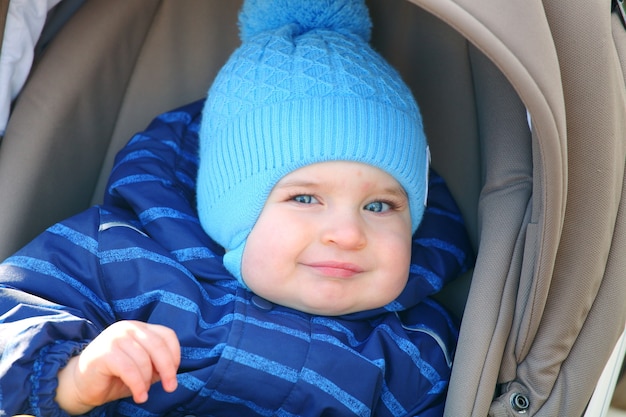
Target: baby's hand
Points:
(124, 360)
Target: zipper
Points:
(435, 336)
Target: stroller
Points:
(524, 105)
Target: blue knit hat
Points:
(304, 87)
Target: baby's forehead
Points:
(339, 172)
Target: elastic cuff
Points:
(44, 379)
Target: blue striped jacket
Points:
(143, 255)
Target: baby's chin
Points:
(331, 308)
(328, 297)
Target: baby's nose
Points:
(344, 229)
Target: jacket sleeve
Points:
(51, 305)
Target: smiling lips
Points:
(336, 269)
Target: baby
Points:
(308, 166)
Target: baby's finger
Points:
(134, 368)
(161, 344)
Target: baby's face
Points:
(333, 238)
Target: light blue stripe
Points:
(185, 304)
(175, 116)
(193, 127)
(335, 326)
(261, 364)
(130, 304)
(230, 399)
(445, 246)
(439, 388)
(137, 179)
(230, 284)
(324, 384)
(190, 382)
(332, 340)
(134, 253)
(175, 146)
(132, 156)
(139, 137)
(263, 411)
(187, 156)
(175, 300)
(402, 343)
(413, 352)
(46, 268)
(291, 375)
(186, 179)
(79, 239)
(156, 213)
(395, 306)
(433, 279)
(390, 401)
(140, 153)
(192, 254)
(194, 384)
(279, 328)
(196, 353)
(181, 153)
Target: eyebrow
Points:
(297, 183)
(397, 191)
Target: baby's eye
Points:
(377, 206)
(304, 199)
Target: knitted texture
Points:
(304, 87)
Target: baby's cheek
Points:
(399, 262)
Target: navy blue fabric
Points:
(143, 255)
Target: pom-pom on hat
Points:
(304, 87)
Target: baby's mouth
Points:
(336, 269)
